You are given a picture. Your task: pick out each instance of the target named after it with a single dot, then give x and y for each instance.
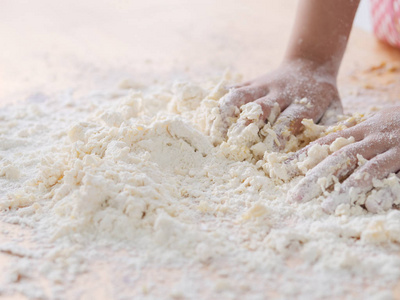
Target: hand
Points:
(377, 139)
(299, 89)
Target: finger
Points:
(379, 167)
(243, 95)
(271, 107)
(339, 164)
(356, 132)
(230, 103)
(294, 114)
(361, 181)
(331, 114)
(290, 121)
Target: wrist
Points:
(321, 70)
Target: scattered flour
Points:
(148, 172)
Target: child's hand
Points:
(301, 89)
(310, 67)
(377, 139)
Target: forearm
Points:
(321, 32)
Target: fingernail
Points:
(305, 190)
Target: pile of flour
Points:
(148, 170)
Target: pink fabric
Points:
(386, 21)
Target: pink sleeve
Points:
(386, 21)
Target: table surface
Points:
(52, 46)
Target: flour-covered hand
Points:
(378, 141)
(298, 89)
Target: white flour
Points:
(148, 173)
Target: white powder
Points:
(150, 174)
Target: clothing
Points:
(386, 21)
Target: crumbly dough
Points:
(149, 170)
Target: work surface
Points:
(50, 47)
(83, 45)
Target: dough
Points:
(148, 170)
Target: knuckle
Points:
(240, 96)
(234, 97)
(266, 101)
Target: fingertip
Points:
(294, 196)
